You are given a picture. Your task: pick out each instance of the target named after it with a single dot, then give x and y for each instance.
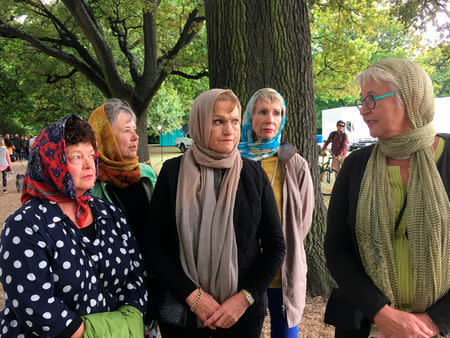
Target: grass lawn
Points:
(160, 154)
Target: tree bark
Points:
(254, 44)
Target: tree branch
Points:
(51, 78)
(157, 70)
(150, 59)
(14, 33)
(190, 30)
(122, 38)
(162, 75)
(189, 76)
(81, 11)
(441, 64)
(69, 39)
(327, 65)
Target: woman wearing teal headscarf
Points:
(291, 182)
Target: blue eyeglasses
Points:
(370, 100)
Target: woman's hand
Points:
(396, 323)
(425, 318)
(79, 333)
(207, 305)
(229, 312)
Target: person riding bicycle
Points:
(339, 140)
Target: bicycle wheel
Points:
(327, 179)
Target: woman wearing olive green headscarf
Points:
(388, 238)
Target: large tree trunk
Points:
(254, 44)
(141, 124)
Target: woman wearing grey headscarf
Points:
(388, 238)
(216, 229)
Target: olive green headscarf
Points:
(427, 209)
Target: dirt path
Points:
(11, 201)
(312, 321)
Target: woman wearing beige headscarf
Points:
(388, 238)
(216, 228)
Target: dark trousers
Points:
(361, 333)
(4, 178)
(248, 326)
(279, 327)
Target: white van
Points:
(358, 132)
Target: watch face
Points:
(248, 296)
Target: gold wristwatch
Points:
(248, 296)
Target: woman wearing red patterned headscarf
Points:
(69, 264)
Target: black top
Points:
(256, 224)
(17, 143)
(8, 142)
(341, 246)
(90, 231)
(134, 201)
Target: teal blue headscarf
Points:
(258, 150)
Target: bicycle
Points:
(327, 176)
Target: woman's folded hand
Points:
(229, 312)
(396, 323)
(206, 307)
(425, 318)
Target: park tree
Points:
(349, 35)
(124, 49)
(346, 36)
(254, 44)
(437, 63)
(29, 99)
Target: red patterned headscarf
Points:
(48, 175)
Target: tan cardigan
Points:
(297, 211)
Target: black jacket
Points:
(341, 247)
(256, 224)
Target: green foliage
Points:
(42, 90)
(27, 101)
(347, 36)
(172, 103)
(418, 14)
(437, 62)
(165, 110)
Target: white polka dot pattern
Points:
(52, 274)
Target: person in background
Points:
(292, 185)
(69, 264)
(215, 230)
(121, 179)
(25, 147)
(339, 144)
(30, 142)
(10, 147)
(387, 243)
(5, 163)
(18, 154)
